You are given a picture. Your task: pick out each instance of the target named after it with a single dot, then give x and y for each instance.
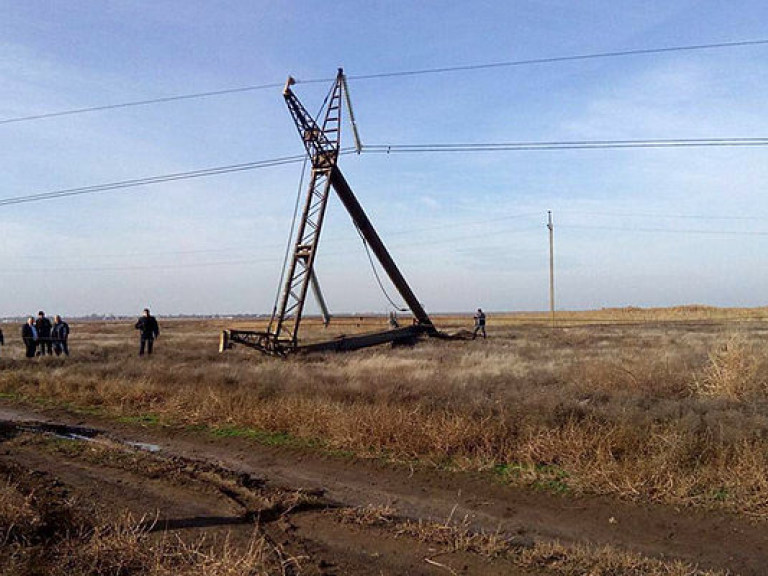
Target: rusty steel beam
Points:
(404, 335)
(319, 297)
(363, 224)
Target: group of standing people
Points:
(41, 337)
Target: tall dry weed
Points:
(732, 372)
(128, 547)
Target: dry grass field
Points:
(651, 407)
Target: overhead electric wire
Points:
(666, 230)
(394, 74)
(397, 148)
(133, 103)
(393, 148)
(413, 229)
(395, 305)
(554, 59)
(150, 180)
(172, 266)
(286, 255)
(246, 261)
(400, 246)
(565, 145)
(240, 248)
(660, 215)
(215, 171)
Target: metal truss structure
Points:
(322, 140)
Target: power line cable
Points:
(134, 103)
(417, 229)
(150, 180)
(660, 215)
(394, 74)
(667, 230)
(553, 59)
(288, 243)
(395, 305)
(240, 248)
(244, 261)
(166, 266)
(565, 145)
(392, 148)
(133, 183)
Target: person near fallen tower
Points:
(60, 335)
(44, 328)
(479, 323)
(148, 331)
(29, 336)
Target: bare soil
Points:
(188, 503)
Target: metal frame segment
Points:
(323, 144)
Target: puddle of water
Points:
(72, 433)
(144, 446)
(82, 437)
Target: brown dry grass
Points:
(43, 531)
(670, 412)
(733, 372)
(554, 557)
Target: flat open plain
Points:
(619, 442)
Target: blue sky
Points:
(633, 227)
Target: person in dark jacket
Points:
(43, 326)
(148, 331)
(60, 335)
(29, 336)
(2, 338)
(479, 324)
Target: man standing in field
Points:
(479, 323)
(29, 336)
(148, 331)
(43, 326)
(2, 339)
(60, 336)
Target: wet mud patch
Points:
(216, 492)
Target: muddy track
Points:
(710, 540)
(191, 499)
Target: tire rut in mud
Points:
(186, 497)
(199, 485)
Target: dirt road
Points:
(199, 483)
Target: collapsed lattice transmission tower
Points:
(322, 140)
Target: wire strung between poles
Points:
(290, 239)
(376, 274)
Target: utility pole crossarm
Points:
(321, 143)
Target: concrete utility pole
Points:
(551, 227)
